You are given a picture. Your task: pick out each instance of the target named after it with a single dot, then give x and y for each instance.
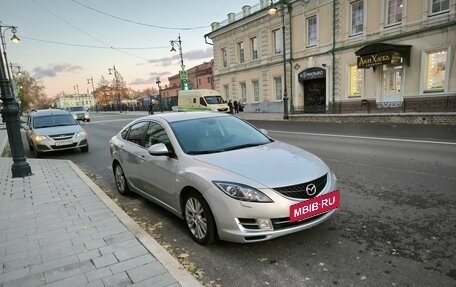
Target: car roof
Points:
(179, 116)
(48, 112)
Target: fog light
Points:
(264, 223)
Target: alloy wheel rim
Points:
(120, 179)
(196, 219)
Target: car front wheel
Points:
(121, 180)
(199, 219)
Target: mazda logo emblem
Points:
(311, 189)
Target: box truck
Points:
(201, 99)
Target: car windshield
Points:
(216, 134)
(53, 121)
(212, 100)
(77, 109)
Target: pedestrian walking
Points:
(236, 106)
(151, 109)
(230, 105)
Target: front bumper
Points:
(239, 221)
(53, 145)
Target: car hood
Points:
(274, 165)
(58, 130)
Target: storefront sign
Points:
(377, 59)
(312, 73)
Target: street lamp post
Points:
(10, 112)
(14, 84)
(178, 42)
(113, 70)
(159, 94)
(272, 10)
(93, 92)
(76, 89)
(182, 74)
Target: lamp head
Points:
(272, 9)
(15, 39)
(172, 48)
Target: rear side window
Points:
(136, 133)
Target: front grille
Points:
(56, 147)
(299, 190)
(59, 137)
(249, 223)
(277, 223)
(281, 223)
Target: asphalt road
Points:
(396, 225)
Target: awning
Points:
(381, 53)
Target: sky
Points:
(65, 42)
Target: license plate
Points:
(61, 143)
(315, 206)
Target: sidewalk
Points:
(58, 228)
(447, 118)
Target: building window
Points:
(394, 12)
(435, 71)
(278, 88)
(312, 31)
(356, 81)
(226, 90)
(224, 58)
(208, 80)
(254, 45)
(243, 92)
(241, 52)
(277, 38)
(256, 91)
(439, 6)
(357, 17)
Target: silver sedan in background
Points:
(227, 179)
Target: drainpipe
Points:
(290, 60)
(334, 57)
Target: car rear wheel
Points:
(199, 219)
(121, 180)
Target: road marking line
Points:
(367, 138)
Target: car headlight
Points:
(242, 192)
(39, 138)
(81, 134)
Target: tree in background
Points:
(31, 92)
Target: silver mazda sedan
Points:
(227, 179)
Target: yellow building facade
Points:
(341, 56)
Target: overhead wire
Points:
(89, 35)
(139, 23)
(92, 46)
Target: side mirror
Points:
(158, 150)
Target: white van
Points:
(201, 99)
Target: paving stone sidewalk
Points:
(57, 228)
